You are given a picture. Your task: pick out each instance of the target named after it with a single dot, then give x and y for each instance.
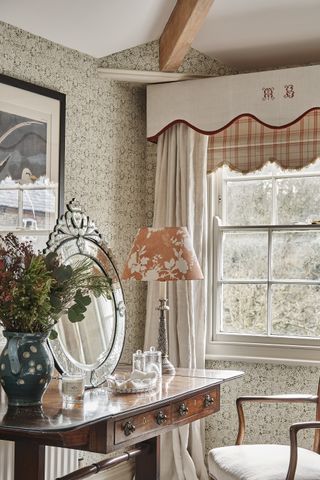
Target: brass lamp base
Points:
(167, 367)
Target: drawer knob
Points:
(208, 401)
(128, 428)
(183, 410)
(161, 418)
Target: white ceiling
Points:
(246, 34)
(262, 33)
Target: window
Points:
(28, 210)
(266, 264)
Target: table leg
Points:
(28, 460)
(148, 464)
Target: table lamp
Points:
(164, 255)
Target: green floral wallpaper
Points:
(146, 57)
(105, 146)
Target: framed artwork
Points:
(32, 134)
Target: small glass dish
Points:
(135, 382)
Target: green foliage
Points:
(77, 310)
(36, 289)
(53, 334)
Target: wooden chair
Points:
(269, 462)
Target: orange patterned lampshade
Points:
(162, 254)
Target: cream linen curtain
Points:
(180, 200)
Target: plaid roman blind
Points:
(246, 145)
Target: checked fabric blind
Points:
(246, 145)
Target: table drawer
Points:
(197, 406)
(137, 425)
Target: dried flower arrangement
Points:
(36, 289)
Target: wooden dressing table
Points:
(106, 422)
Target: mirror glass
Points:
(98, 324)
(75, 337)
(94, 345)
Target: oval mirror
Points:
(94, 345)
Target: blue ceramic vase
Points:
(26, 367)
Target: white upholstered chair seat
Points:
(261, 462)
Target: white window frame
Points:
(19, 229)
(262, 348)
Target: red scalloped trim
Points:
(154, 138)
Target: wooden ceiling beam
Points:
(181, 29)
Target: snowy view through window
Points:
(269, 253)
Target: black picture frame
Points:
(32, 134)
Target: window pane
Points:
(8, 209)
(244, 309)
(39, 209)
(296, 255)
(298, 200)
(268, 169)
(295, 310)
(245, 255)
(249, 203)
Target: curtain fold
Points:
(180, 200)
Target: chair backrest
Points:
(291, 398)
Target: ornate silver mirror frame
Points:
(76, 235)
